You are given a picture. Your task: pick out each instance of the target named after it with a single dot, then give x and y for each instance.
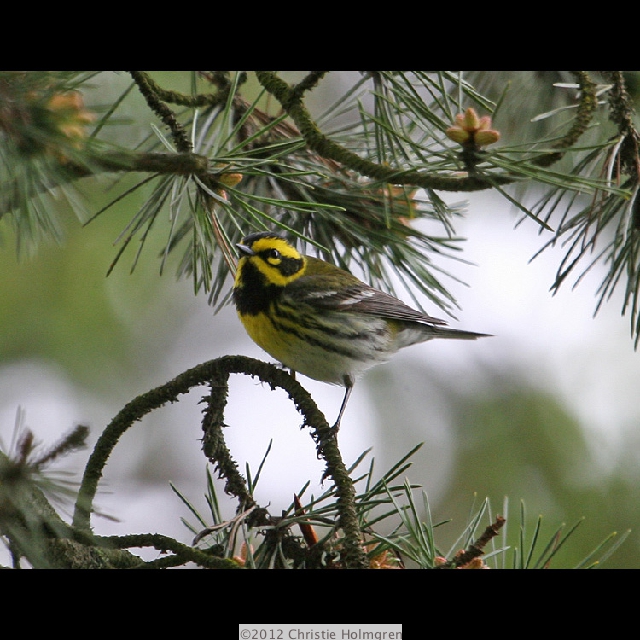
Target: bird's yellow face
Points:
(268, 264)
(278, 262)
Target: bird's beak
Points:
(247, 251)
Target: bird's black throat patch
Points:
(255, 294)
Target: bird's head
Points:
(274, 257)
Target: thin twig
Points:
(476, 549)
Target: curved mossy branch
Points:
(192, 101)
(216, 372)
(215, 448)
(308, 82)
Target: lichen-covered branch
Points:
(586, 108)
(215, 372)
(622, 114)
(162, 111)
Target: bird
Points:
(320, 320)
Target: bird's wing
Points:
(319, 290)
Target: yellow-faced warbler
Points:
(320, 320)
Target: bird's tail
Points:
(415, 332)
(456, 334)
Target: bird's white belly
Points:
(335, 355)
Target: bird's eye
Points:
(273, 254)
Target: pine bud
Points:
(470, 130)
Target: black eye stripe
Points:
(271, 254)
(285, 265)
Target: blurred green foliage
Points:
(59, 306)
(520, 443)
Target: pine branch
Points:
(586, 108)
(162, 111)
(622, 114)
(292, 103)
